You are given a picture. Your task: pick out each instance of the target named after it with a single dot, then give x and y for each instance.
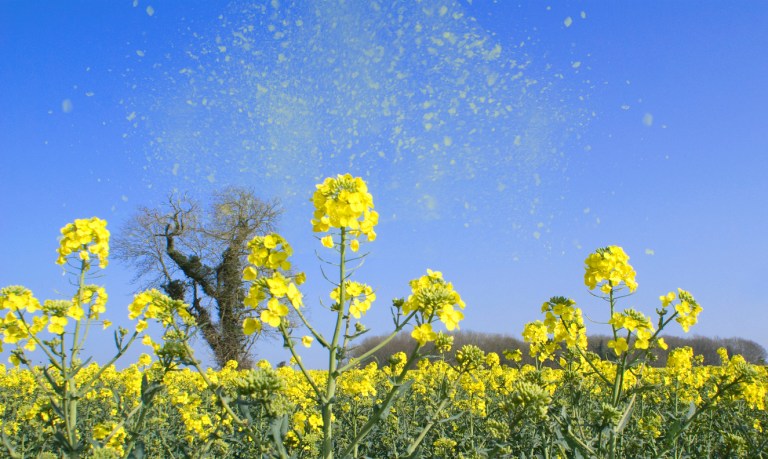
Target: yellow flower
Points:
(315, 422)
(360, 296)
(251, 326)
(515, 356)
(98, 297)
(619, 346)
(327, 241)
(57, 324)
(307, 341)
(344, 202)
(144, 360)
(277, 285)
(270, 241)
(270, 251)
(688, 310)
(155, 305)
(643, 338)
(16, 298)
(100, 431)
(423, 334)
(679, 361)
(430, 295)
(85, 237)
(609, 265)
(450, 317)
(250, 274)
(294, 295)
(354, 245)
(667, 299)
(274, 312)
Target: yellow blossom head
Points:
(431, 295)
(423, 334)
(609, 267)
(270, 251)
(18, 298)
(344, 202)
(687, 310)
(86, 237)
(360, 297)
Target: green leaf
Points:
(691, 411)
(627, 415)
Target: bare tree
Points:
(199, 257)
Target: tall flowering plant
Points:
(60, 328)
(620, 380)
(344, 218)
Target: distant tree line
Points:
(598, 344)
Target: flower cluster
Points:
(270, 251)
(360, 295)
(17, 300)
(155, 305)
(430, 296)
(611, 266)
(633, 322)
(563, 323)
(344, 202)
(95, 296)
(55, 313)
(679, 361)
(274, 289)
(86, 237)
(687, 309)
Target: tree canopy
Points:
(197, 255)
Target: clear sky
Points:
(502, 141)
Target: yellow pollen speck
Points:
(648, 119)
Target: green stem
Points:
(385, 405)
(327, 401)
(318, 336)
(297, 358)
(104, 367)
(415, 445)
(383, 343)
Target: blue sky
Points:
(502, 141)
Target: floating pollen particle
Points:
(648, 119)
